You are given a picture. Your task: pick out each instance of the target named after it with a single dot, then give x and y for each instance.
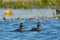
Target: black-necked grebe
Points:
(36, 29)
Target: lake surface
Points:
(50, 30)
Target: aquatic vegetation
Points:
(30, 4)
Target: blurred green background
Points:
(29, 4)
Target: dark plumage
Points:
(36, 29)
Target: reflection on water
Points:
(28, 13)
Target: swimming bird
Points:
(36, 29)
(20, 28)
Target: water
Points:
(49, 27)
(28, 13)
(50, 30)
